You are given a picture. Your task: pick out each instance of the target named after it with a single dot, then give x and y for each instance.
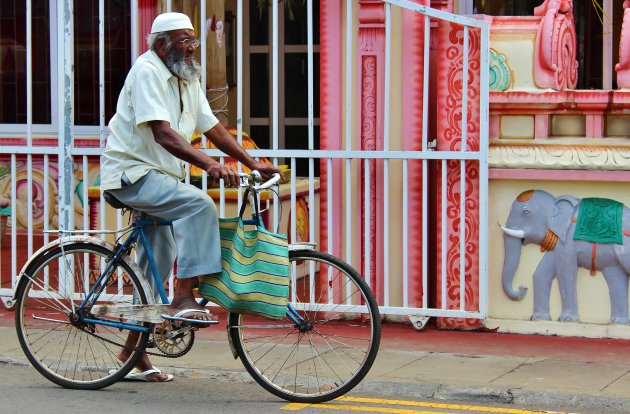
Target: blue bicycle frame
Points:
(137, 233)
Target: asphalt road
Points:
(23, 390)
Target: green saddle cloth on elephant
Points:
(599, 221)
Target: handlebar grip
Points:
(249, 181)
(270, 183)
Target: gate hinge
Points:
(8, 302)
(419, 322)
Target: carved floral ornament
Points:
(500, 72)
(623, 67)
(555, 63)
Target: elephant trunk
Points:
(513, 247)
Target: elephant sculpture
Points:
(587, 233)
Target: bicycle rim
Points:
(326, 361)
(69, 353)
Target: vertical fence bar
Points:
(329, 197)
(462, 175)
(84, 194)
(275, 112)
(239, 91)
(101, 98)
(135, 47)
(204, 87)
(444, 234)
(405, 233)
(425, 163)
(46, 212)
(65, 112)
(386, 115)
(293, 216)
(13, 219)
(311, 141)
(367, 246)
(29, 124)
(484, 116)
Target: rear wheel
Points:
(59, 344)
(336, 344)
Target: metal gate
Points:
(401, 192)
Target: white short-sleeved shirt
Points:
(151, 93)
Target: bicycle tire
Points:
(70, 353)
(313, 367)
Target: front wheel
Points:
(332, 352)
(54, 336)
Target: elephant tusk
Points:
(517, 234)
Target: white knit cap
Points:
(171, 21)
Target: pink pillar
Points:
(413, 79)
(147, 10)
(371, 67)
(331, 41)
(449, 135)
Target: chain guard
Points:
(173, 339)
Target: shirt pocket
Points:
(186, 125)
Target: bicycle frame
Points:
(138, 233)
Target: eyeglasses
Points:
(188, 42)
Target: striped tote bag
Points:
(255, 276)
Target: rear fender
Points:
(48, 248)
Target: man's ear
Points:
(161, 48)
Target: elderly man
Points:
(159, 108)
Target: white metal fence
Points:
(346, 171)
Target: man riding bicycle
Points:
(159, 108)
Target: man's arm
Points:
(182, 149)
(224, 141)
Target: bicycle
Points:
(75, 308)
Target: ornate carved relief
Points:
(500, 72)
(555, 65)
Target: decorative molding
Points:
(500, 72)
(623, 67)
(610, 156)
(555, 65)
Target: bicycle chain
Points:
(160, 354)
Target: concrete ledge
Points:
(585, 330)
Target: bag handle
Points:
(245, 201)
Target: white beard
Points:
(186, 72)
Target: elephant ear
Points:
(559, 221)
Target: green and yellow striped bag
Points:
(255, 276)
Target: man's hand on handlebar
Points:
(267, 171)
(217, 171)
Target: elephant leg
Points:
(617, 280)
(543, 276)
(567, 283)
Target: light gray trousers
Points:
(194, 235)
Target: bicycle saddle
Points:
(114, 202)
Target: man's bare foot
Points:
(185, 304)
(184, 298)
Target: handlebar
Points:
(254, 180)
